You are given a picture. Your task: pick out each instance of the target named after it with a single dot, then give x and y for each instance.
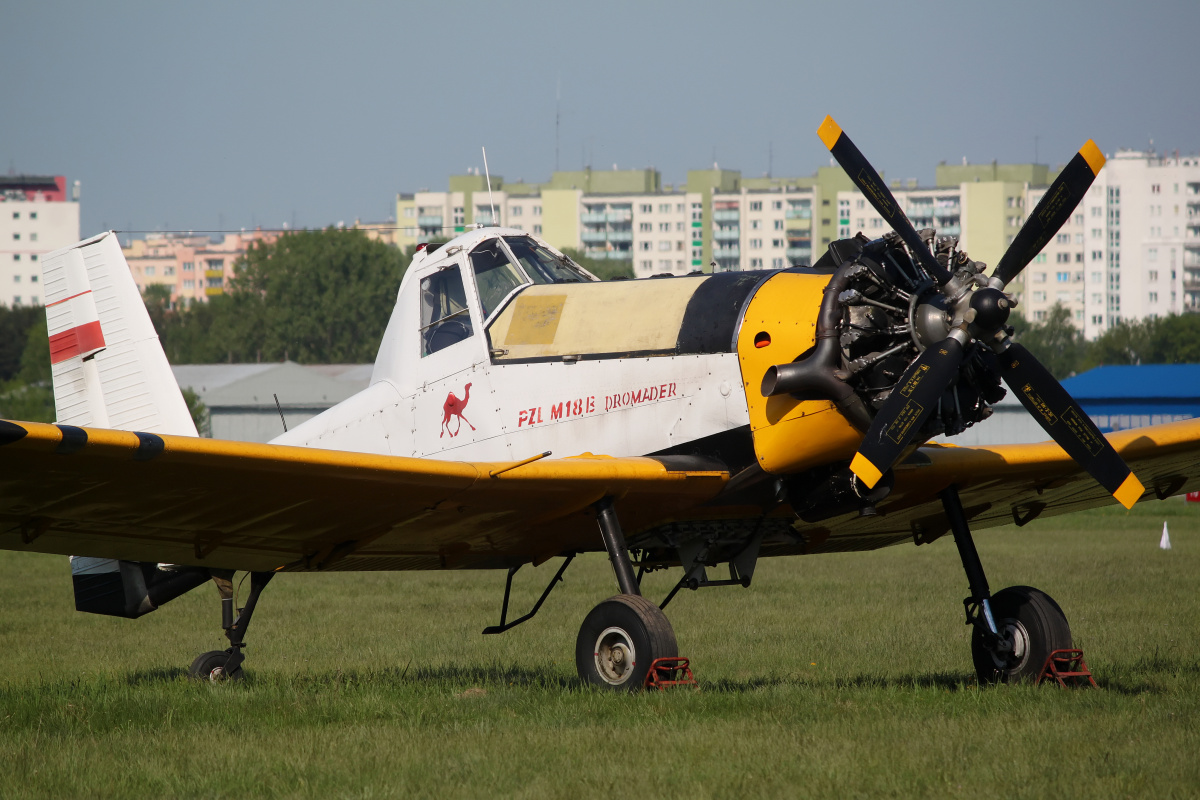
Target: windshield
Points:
(542, 265)
(495, 275)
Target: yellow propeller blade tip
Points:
(1130, 491)
(1092, 155)
(829, 132)
(867, 472)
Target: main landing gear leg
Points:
(1016, 629)
(624, 635)
(218, 665)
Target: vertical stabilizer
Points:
(109, 368)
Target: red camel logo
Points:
(454, 407)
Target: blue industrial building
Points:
(1123, 397)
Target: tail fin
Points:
(110, 372)
(109, 368)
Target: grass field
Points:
(845, 676)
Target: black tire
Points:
(210, 667)
(618, 641)
(1038, 628)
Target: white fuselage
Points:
(460, 403)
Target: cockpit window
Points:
(445, 318)
(495, 276)
(541, 265)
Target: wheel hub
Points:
(615, 656)
(1014, 632)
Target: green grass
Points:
(844, 675)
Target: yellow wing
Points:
(1000, 485)
(234, 505)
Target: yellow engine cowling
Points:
(790, 435)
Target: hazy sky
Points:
(214, 114)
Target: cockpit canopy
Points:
(502, 266)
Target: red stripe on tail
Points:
(85, 338)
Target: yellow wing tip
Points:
(867, 472)
(1092, 155)
(1130, 491)
(829, 132)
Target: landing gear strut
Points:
(624, 635)
(220, 665)
(1016, 629)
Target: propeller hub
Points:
(991, 308)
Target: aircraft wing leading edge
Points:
(235, 505)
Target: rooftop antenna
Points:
(770, 157)
(488, 173)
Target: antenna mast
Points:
(488, 173)
(557, 109)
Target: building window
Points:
(645, 208)
(16, 215)
(149, 270)
(33, 256)
(16, 256)
(16, 278)
(537, 212)
(16, 237)
(33, 215)
(645, 227)
(1062, 258)
(664, 227)
(537, 228)
(664, 245)
(755, 244)
(1040, 258)
(1154, 297)
(776, 263)
(1062, 277)
(188, 266)
(646, 245)
(1039, 277)
(664, 208)
(1152, 275)
(647, 265)
(756, 205)
(778, 225)
(168, 270)
(1039, 297)
(756, 263)
(1097, 255)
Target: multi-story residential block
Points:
(194, 266)
(1131, 249)
(36, 217)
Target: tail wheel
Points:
(210, 667)
(618, 641)
(1035, 625)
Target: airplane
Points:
(520, 410)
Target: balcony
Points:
(733, 251)
(429, 221)
(591, 217)
(799, 213)
(618, 216)
(799, 254)
(620, 236)
(591, 237)
(727, 215)
(485, 218)
(726, 234)
(620, 255)
(950, 230)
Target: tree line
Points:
(325, 297)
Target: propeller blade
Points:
(910, 403)
(1054, 209)
(870, 184)
(1056, 411)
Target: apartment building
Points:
(36, 217)
(194, 266)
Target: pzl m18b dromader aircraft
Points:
(693, 421)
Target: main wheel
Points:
(618, 641)
(210, 666)
(1036, 626)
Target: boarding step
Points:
(1068, 668)
(666, 672)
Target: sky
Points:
(224, 115)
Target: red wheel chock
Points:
(1068, 668)
(666, 672)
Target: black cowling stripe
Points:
(11, 432)
(711, 316)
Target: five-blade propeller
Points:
(980, 317)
